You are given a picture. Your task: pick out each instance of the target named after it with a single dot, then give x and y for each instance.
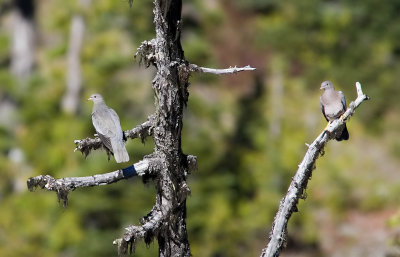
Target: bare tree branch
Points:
(150, 224)
(63, 186)
(141, 131)
(230, 70)
(288, 204)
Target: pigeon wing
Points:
(343, 100)
(323, 109)
(105, 126)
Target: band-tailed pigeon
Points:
(106, 122)
(333, 105)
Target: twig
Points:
(63, 186)
(230, 70)
(288, 204)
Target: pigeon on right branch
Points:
(333, 105)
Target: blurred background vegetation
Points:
(248, 130)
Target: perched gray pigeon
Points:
(106, 122)
(333, 105)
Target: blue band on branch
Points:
(129, 171)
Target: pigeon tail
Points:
(344, 135)
(119, 150)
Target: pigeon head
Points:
(326, 85)
(96, 98)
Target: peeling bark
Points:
(171, 93)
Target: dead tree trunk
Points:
(171, 93)
(167, 165)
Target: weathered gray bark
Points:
(71, 99)
(288, 204)
(23, 39)
(170, 86)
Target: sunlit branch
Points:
(288, 204)
(63, 186)
(230, 70)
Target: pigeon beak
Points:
(89, 99)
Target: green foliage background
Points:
(244, 166)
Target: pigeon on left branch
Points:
(106, 122)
